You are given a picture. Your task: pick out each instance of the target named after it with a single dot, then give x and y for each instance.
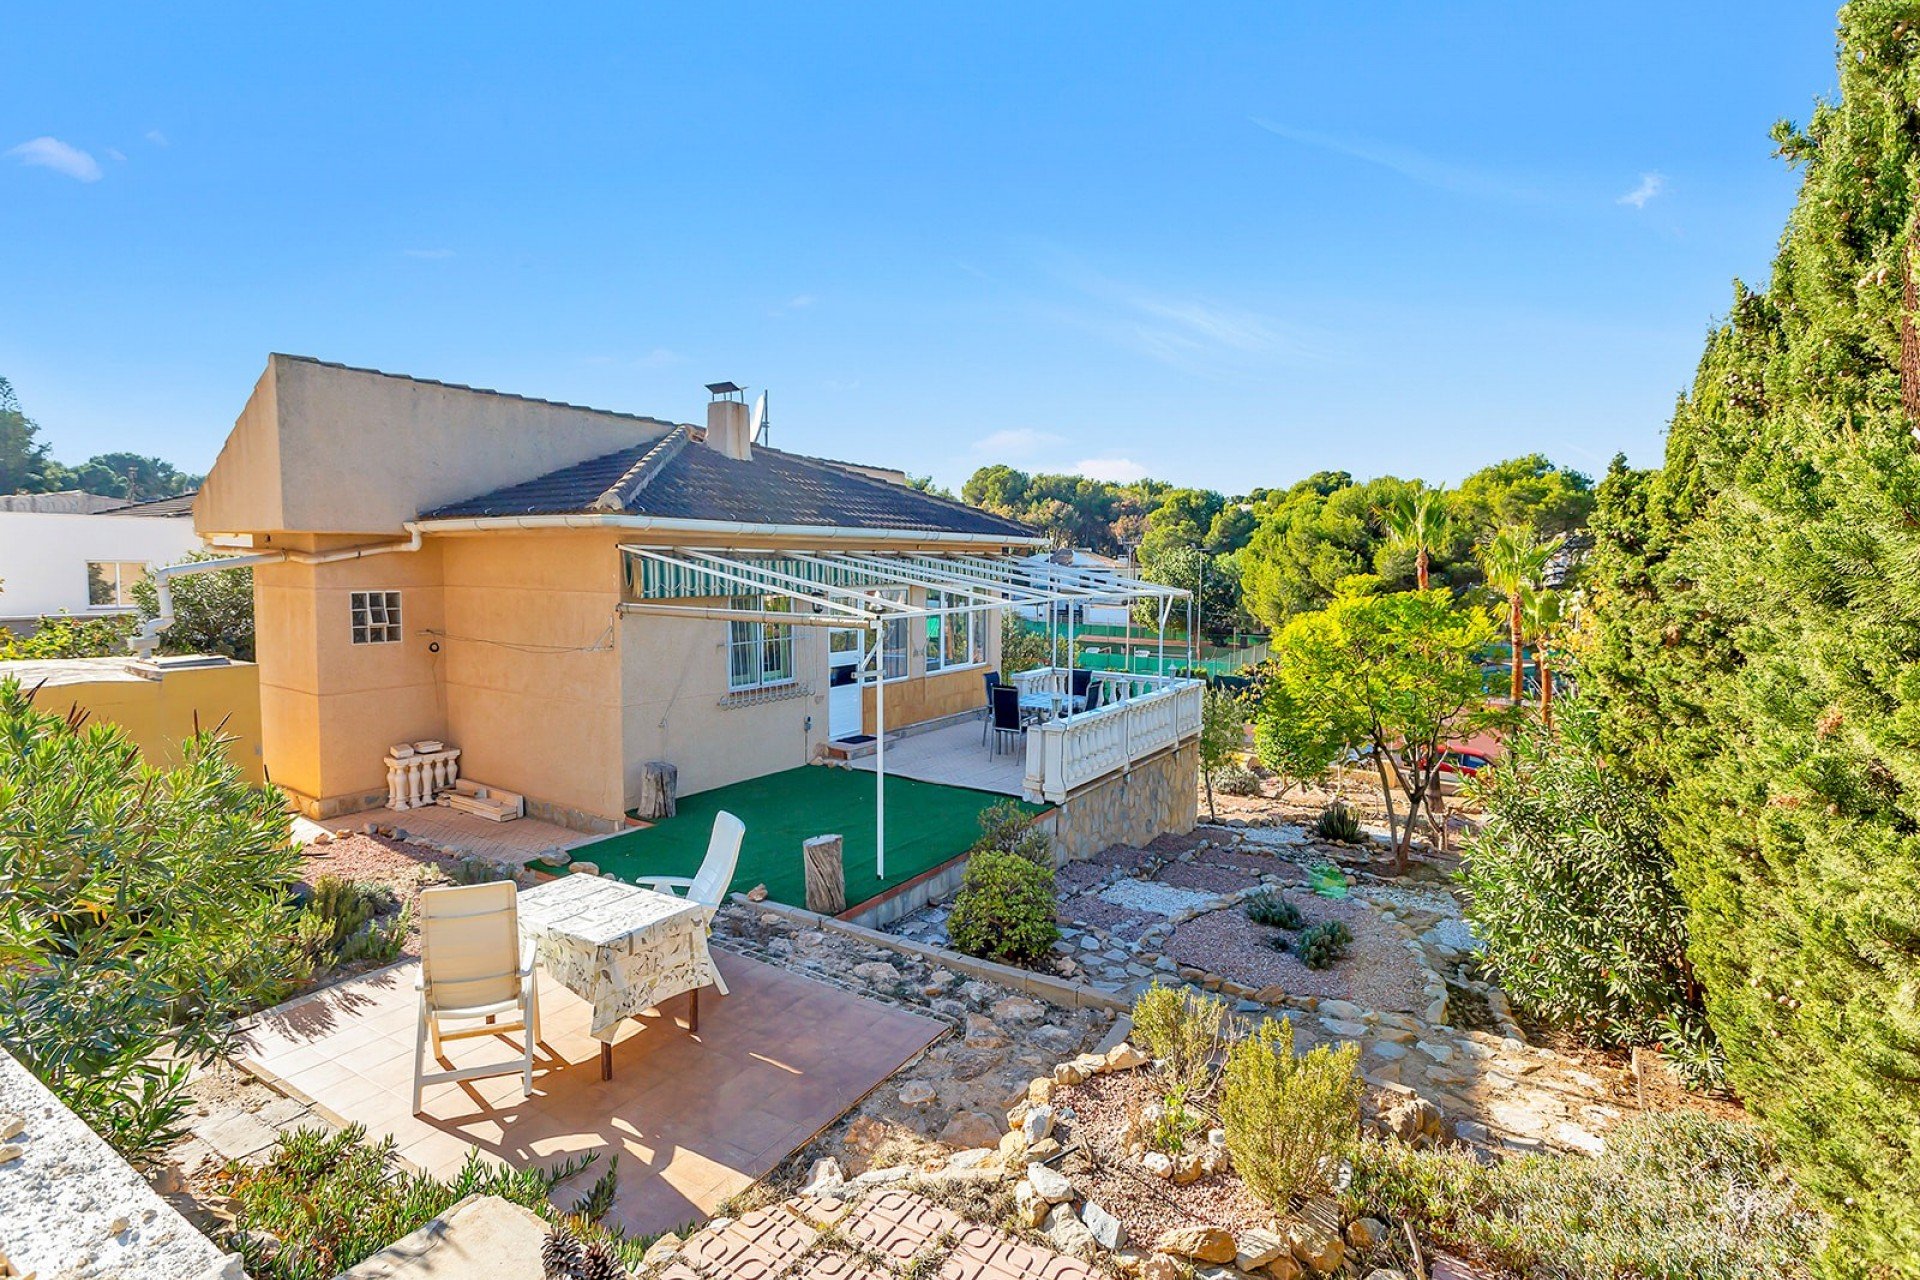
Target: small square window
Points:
(376, 617)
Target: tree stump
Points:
(826, 875)
(659, 785)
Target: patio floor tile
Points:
(693, 1119)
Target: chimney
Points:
(727, 421)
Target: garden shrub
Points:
(141, 910)
(1290, 1118)
(1572, 889)
(1008, 827)
(1236, 780)
(1671, 1195)
(65, 637)
(331, 1199)
(1270, 908)
(1183, 1029)
(341, 924)
(1004, 910)
(1338, 823)
(1318, 946)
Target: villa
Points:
(566, 596)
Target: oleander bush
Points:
(1005, 908)
(1289, 1118)
(142, 909)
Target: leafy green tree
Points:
(1396, 676)
(1223, 735)
(141, 910)
(1513, 560)
(135, 476)
(68, 637)
(1543, 616)
(1752, 641)
(1529, 492)
(212, 612)
(997, 488)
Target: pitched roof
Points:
(676, 477)
(180, 504)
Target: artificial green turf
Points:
(927, 824)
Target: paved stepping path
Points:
(890, 1234)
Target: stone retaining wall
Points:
(1159, 796)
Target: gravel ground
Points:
(1145, 1205)
(405, 868)
(1151, 895)
(1377, 973)
(1092, 910)
(1437, 901)
(1213, 880)
(1078, 877)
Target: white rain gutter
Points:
(144, 641)
(725, 528)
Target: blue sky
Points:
(1225, 245)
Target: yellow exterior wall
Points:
(158, 715)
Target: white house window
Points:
(376, 617)
(954, 639)
(759, 653)
(893, 641)
(110, 583)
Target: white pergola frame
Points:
(986, 582)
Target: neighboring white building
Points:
(1075, 568)
(57, 557)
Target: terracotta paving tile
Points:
(982, 1253)
(762, 1244)
(693, 1119)
(835, 1266)
(897, 1225)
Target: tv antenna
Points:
(757, 427)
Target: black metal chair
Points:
(1082, 681)
(986, 721)
(1005, 721)
(1095, 696)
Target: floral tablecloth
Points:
(621, 948)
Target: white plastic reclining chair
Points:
(473, 968)
(709, 885)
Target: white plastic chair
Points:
(472, 966)
(708, 887)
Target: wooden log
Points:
(826, 875)
(659, 788)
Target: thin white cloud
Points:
(1195, 334)
(1014, 442)
(1651, 185)
(660, 358)
(1427, 170)
(433, 255)
(51, 153)
(1116, 470)
(800, 300)
(158, 138)
(115, 153)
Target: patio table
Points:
(621, 948)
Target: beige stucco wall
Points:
(325, 449)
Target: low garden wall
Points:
(1157, 797)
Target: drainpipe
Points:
(147, 639)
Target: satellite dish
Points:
(757, 428)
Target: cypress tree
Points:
(1754, 645)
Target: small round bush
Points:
(1004, 910)
(1236, 780)
(1269, 908)
(1320, 945)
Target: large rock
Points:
(1037, 1123)
(971, 1129)
(1105, 1227)
(1411, 1119)
(982, 1034)
(1029, 1209)
(916, 1094)
(1049, 1184)
(1318, 1248)
(1065, 1232)
(1202, 1244)
(824, 1178)
(877, 972)
(1124, 1057)
(1258, 1248)
(1366, 1233)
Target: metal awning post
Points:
(880, 752)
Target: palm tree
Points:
(1418, 519)
(1544, 611)
(1513, 560)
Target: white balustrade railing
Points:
(1136, 716)
(413, 781)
